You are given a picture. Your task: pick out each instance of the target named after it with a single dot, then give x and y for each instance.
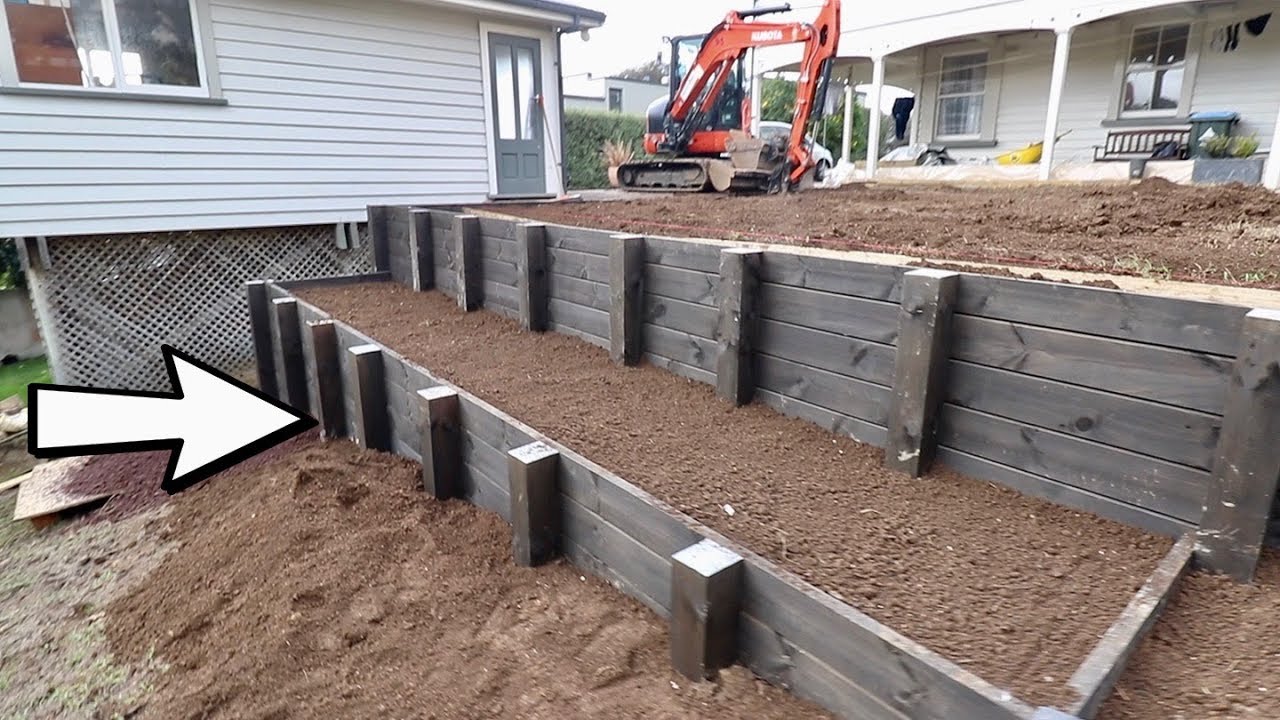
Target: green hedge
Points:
(586, 132)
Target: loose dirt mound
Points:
(1226, 235)
(1215, 653)
(321, 585)
(134, 478)
(1015, 589)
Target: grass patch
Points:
(15, 378)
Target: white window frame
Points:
(1124, 47)
(208, 88)
(1187, 69)
(939, 96)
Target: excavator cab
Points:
(724, 116)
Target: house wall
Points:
(332, 105)
(1242, 80)
(636, 96)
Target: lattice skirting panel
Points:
(107, 303)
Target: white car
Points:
(775, 131)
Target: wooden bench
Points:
(1139, 144)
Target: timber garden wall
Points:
(1146, 410)
(1098, 399)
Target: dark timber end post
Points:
(535, 503)
(706, 594)
(378, 237)
(260, 324)
(739, 278)
(531, 275)
(421, 251)
(373, 431)
(327, 378)
(626, 297)
(293, 366)
(924, 343)
(1247, 465)
(466, 259)
(440, 435)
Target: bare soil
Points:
(1227, 235)
(1214, 653)
(322, 584)
(1015, 589)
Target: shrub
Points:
(11, 274)
(1243, 147)
(1218, 146)
(586, 133)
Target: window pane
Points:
(158, 42)
(525, 84)
(1145, 45)
(963, 74)
(1138, 87)
(1168, 88)
(960, 115)
(1173, 44)
(504, 83)
(62, 42)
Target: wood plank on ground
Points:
(1157, 485)
(1175, 377)
(1188, 437)
(872, 320)
(1189, 324)
(45, 493)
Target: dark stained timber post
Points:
(706, 595)
(421, 251)
(626, 297)
(260, 324)
(1247, 466)
(924, 345)
(736, 297)
(466, 258)
(377, 215)
(373, 426)
(531, 275)
(293, 365)
(535, 503)
(326, 377)
(440, 437)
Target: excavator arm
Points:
(722, 49)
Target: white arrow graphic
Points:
(210, 421)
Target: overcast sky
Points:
(633, 32)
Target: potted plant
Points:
(616, 153)
(1230, 160)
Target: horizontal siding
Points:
(1242, 81)
(332, 106)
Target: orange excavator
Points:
(697, 137)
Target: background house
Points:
(620, 95)
(155, 161)
(993, 77)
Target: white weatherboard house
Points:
(1111, 78)
(156, 154)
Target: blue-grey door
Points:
(515, 67)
